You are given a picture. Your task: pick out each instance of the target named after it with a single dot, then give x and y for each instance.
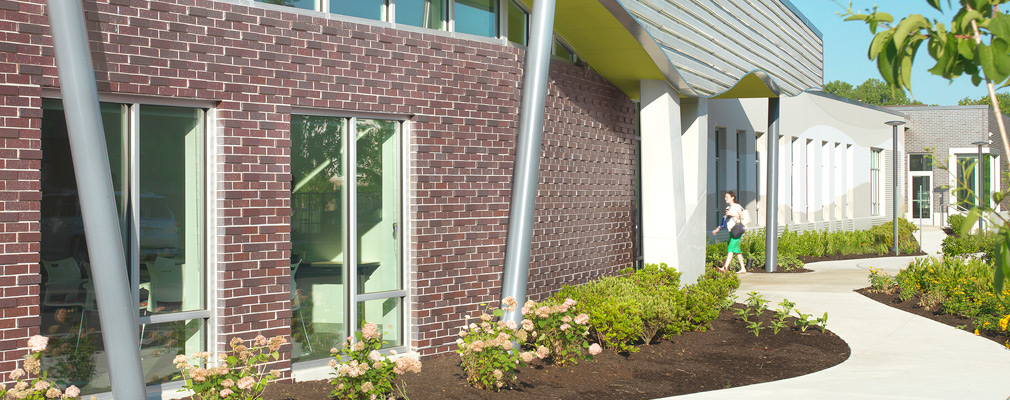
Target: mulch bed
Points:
(725, 356)
(912, 306)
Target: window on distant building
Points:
(968, 181)
(876, 156)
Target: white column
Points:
(673, 206)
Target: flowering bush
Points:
(485, 349)
(368, 374)
(241, 374)
(559, 329)
(39, 387)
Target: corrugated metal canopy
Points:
(617, 46)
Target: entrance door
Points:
(920, 200)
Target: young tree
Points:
(977, 44)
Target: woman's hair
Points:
(732, 194)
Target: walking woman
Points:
(735, 215)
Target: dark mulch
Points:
(725, 356)
(913, 306)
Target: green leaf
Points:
(909, 26)
(966, 48)
(877, 45)
(999, 26)
(935, 4)
(965, 19)
(973, 215)
(498, 312)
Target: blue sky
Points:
(845, 45)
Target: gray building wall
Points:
(938, 129)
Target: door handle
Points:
(395, 225)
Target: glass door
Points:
(346, 263)
(920, 197)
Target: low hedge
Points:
(641, 306)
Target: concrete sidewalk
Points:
(895, 355)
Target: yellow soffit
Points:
(756, 84)
(606, 43)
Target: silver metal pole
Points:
(894, 152)
(527, 159)
(895, 163)
(772, 195)
(116, 310)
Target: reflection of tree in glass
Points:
(288, 3)
(315, 141)
(372, 134)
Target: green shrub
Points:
(615, 310)
(955, 221)
(706, 298)
(642, 305)
(962, 286)
(884, 234)
(984, 243)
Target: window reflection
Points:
(370, 9)
(477, 17)
(422, 13)
(304, 4)
(378, 199)
(518, 21)
(317, 235)
(166, 240)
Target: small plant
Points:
(241, 374)
(778, 325)
(822, 322)
(367, 374)
(756, 327)
(756, 301)
(803, 321)
(39, 387)
(785, 308)
(559, 329)
(881, 281)
(743, 313)
(485, 348)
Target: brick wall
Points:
(937, 129)
(257, 64)
(20, 190)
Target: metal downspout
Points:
(772, 196)
(116, 309)
(527, 158)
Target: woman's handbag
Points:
(737, 231)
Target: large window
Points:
(477, 17)
(968, 180)
(345, 231)
(518, 23)
(157, 160)
(876, 156)
(422, 13)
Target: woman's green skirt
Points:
(734, 246)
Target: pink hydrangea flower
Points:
(246, 383)
(37, 343)
(581, 319)
(226, 392)
(72, 392)
(370, 331)
(595, 349)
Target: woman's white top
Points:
(736, 209)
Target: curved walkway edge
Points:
(894, 354)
